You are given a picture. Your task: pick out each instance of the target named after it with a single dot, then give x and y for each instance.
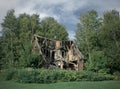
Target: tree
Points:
(87, 36)
(17, 35)
(110, 39)
(53, 30)
(1, 54)
(9, 29)
(28, 26)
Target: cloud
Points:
(64, 11)
(5, 5)
(71, 34)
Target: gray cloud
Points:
(64, 11)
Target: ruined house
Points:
(60, 54)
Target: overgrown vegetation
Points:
(97, 38)
(52, 76)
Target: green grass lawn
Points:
(62, 85)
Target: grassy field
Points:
(62, 85)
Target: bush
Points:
(52, 76)
(117, 75)
(9, 74)
(26, 76)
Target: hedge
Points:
(52, 76)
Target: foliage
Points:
(52, 29)
(87, 37)
(9, 74)
(110, 39)
(9, 27)
(117, 75)
(98, 62)
(30, 75)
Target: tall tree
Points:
(9, 28)
(110, 39)
(28, 26)
(17, 34)
(87, 36)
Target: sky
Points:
(66, 12)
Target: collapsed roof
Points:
(60, 54)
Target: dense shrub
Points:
(9, 74)
(117, 75)
(52, 76)
(26, 76)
